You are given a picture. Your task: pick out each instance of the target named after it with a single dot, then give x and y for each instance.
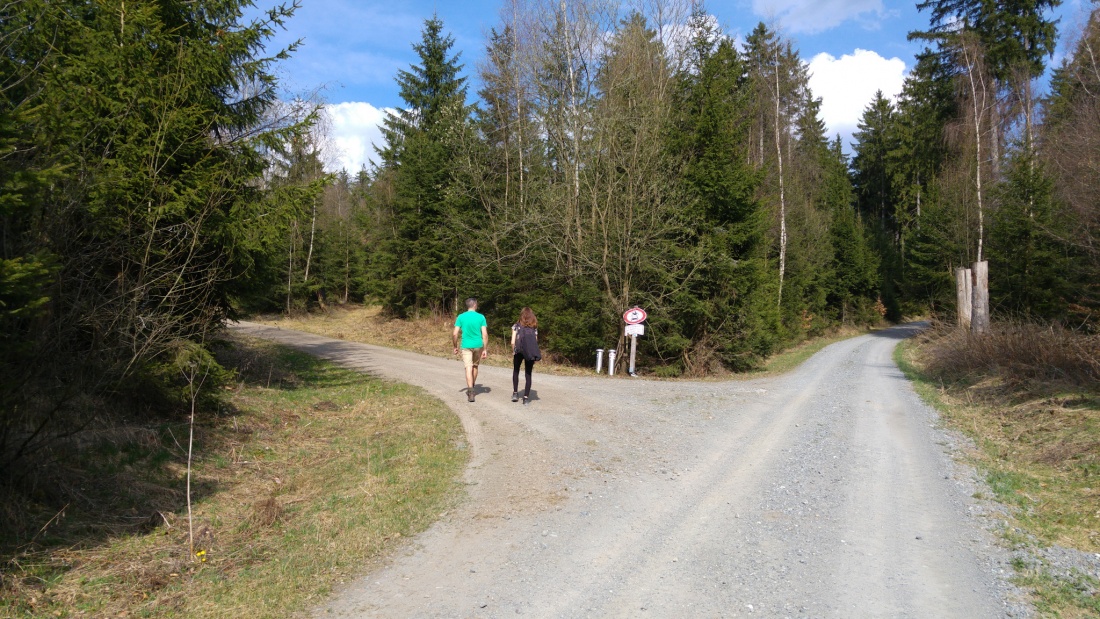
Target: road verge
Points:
(307, 477)
(1037, 444)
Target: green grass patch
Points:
(1068, 595)
(308, 475)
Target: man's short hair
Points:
(470, 303)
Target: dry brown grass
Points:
(310, 475)
(427, 335)
(1030, 396)
(1024, 355)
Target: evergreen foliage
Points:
(1031, 262)
(729, 303)
(152, 185)
(133, 137)
(871, 166)
(422, 141)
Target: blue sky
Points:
(352, 50)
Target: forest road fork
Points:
(825, 492)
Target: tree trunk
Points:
(782, 196)
(347, 264)
(312, 231)
(290, 267)
(1029, 135)
(972, 66)
(918, 201)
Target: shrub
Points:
(1020, 352)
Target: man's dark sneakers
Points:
(515, 396)
(470, 395)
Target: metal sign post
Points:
(634, 317)
(633, 350)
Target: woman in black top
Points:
(525, 350)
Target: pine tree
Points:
(418, 265)
(875, 141)
(1026, 251)
(730, 300)
(153, 150)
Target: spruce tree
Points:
(1015, 34)
(1026, 250)
(731, 300)
(854, 279)
(871, 164)
(417, 267)
(150, 131)
(925, 106)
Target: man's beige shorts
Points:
(471, 357)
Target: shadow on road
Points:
(902, 332)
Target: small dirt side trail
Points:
(825, 492)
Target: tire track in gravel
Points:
(825, 492)
(730, 475)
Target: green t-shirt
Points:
(471, 323)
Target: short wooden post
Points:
(963, 294)
(979, 319)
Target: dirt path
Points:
(826, 492)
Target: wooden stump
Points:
(979, 320)
(963, 297)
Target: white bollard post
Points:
(611, 362)
(599, 360)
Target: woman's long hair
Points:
(527, 318)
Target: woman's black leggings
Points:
(527, 365)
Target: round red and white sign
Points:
(634, 316)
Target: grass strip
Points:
(310, 474)
(1037, 448)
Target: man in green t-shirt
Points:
(473, 329)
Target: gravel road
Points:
(826, 492)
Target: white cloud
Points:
(355, 133)
(814, 15)
(847, 84)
